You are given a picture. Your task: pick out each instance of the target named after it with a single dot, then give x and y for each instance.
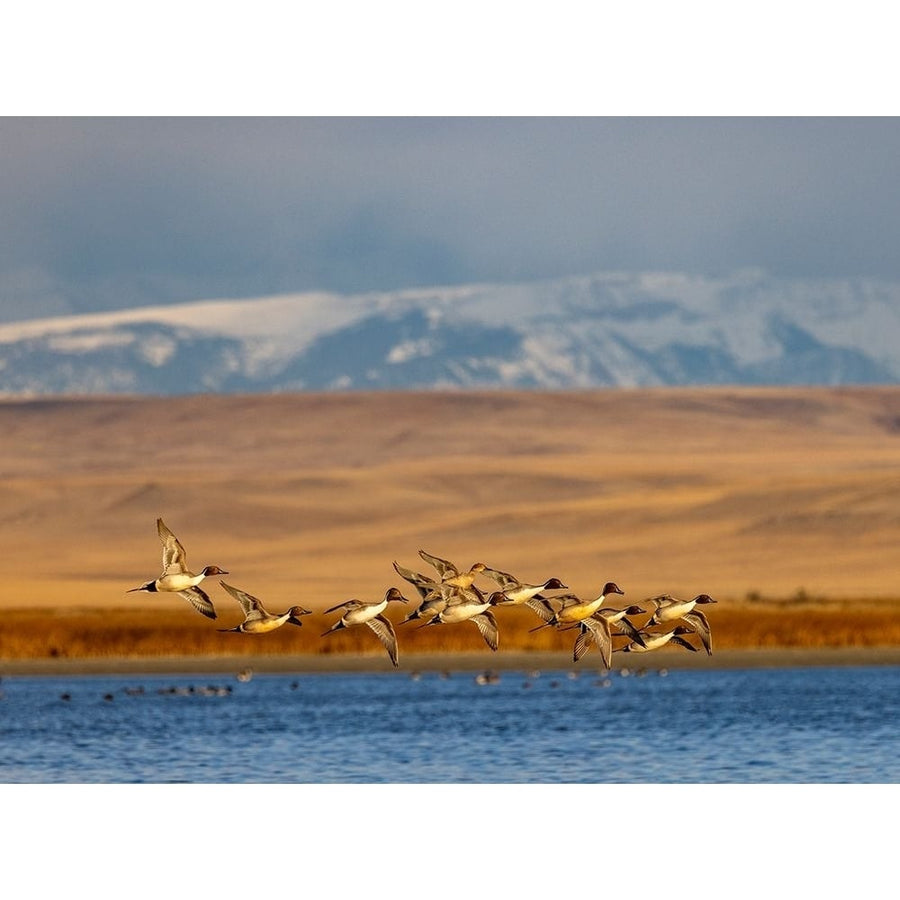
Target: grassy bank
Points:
(125, 633)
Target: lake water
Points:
(793, 725)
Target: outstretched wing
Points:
(252, 607)
(422, 583)
(541, 606)
(626, 626)
(678, 639)
(582, 643)
(199, 599)
(698, 621)
(174, 558)
(600, 631)
(385, 632)
(443, 566)
(504, 579)
(487, 625)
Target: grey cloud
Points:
(120, 212)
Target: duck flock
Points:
(451, 596)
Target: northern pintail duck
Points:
(573, 609)
(668, 608)
(177, 578)
(257, 619)
(470, 606)
(369, 612)
(655, 640)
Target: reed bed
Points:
(89, 633)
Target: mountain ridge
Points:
(601, 330)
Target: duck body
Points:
(575, 610)
(518, 593)
(462, 608)
(670, 609)
(463, 579)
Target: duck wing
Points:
(251, 606)
(602, 635)
(422, 583)
(384, 630)
(698, 621)
(174, 557)
(487, 625)
(199, 599)
(661, 600)
(347, 604)
(626, 626)
(541, 606)
(443, 566)
(582, 643)
(504, 579)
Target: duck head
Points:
(394, 594)
(149, 586)
(295, 613)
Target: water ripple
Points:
(751, 726)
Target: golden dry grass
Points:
(309, 498)
(96, 633)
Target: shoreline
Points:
(782, 657)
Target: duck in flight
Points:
(257, 619)
(177, 578)
(369, 612)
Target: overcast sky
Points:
(116, 212)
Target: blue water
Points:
(791, 725)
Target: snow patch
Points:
(407, 350)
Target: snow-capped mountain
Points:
(607, 329)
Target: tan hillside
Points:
(772, 493)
